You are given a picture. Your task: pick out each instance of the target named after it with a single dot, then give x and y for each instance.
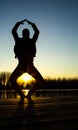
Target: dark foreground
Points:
(48, 113)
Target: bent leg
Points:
(39, 79)
(16, 73)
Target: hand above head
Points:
(28, 21)
(33, 26)
(22, 22)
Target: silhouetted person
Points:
(25, 51)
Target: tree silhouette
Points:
(4, 77)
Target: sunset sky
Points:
(57, 45)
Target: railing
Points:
(56, 92)
(8, 94)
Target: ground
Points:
(49, 113)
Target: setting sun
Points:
(25, 79)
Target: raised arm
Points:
(14, 30)
(33, 25)
(36, 31)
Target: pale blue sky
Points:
(57, 45)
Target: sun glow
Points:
(25, 79)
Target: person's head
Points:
(25, 33)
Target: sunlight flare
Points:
(25, 79)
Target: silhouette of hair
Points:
(25, 33)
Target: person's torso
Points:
(25, 49)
